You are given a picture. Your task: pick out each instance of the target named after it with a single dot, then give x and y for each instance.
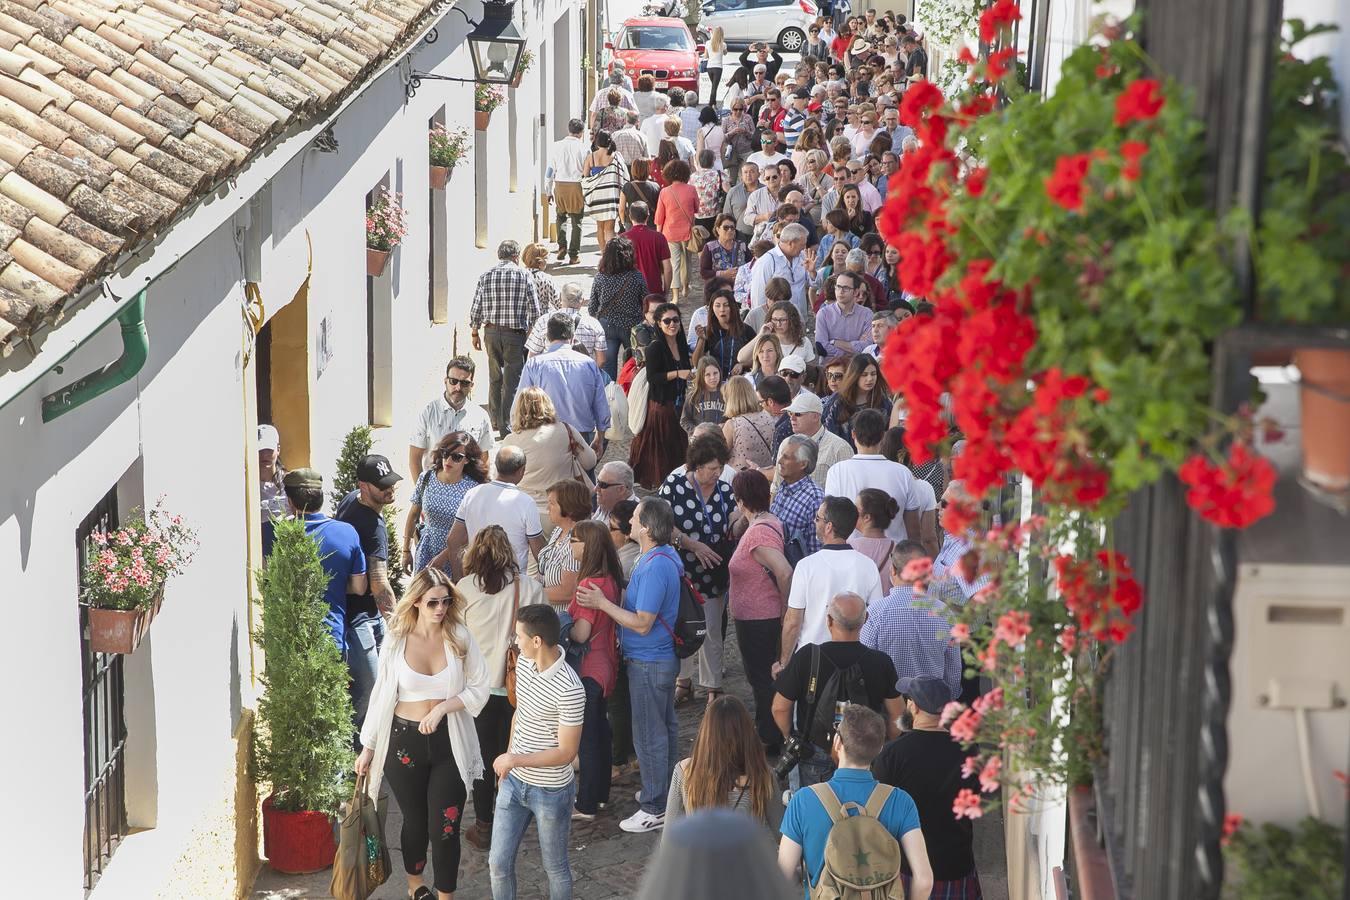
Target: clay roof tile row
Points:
(115, 115)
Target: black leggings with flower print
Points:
(422, 772)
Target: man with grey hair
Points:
(618, 74)
(498, 502)
(613, 485)
(572, 381)
(567, 160)
(855, 744)
(804, 416)
(789, 262)
(505, 304)
(866, 677)
(649, 652)
(654, 126)
(586, 329)
(630, 141)
(798, 497)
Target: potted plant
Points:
(124, 578)
(523, 64)
(303, 744)
(386, 225)
(486, 98)
(445, 150)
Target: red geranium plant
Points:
(1079, 282)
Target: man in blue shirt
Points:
(646, 632)
(858, 739)
(339, 548)
(572, 381)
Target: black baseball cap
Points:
(929, 694)
(802, 94)
(375, 469)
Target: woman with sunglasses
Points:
(660, 446)
(722, 255)
(816, 45)
(862, 387)
(419, 732)
(456, 466)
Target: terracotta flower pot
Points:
(120, 630)
(377, 261)
(439, 176)
(515, 82)
(481, 119)
(1325, 411)
(297, 842)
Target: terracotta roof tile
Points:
(115, 115)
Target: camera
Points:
(791, 754)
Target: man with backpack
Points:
(650, 621)
(821, 678)
(853, 830)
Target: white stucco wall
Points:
(181, 429)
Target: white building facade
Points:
(133, 781)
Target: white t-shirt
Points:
(499, 503)
(762, 159)
(823, 575)
(872, 470)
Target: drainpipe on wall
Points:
(135, 350)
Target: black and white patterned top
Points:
(555, 557)
(708, 521)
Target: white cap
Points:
(805, 402)
(793, 362)
(268, 438)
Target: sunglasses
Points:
(833, 376)
(457, 382)
(433, 604)
(788, 373)
(670, 320)
(454, 455)
(605, 485)
(738, 109)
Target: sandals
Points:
(684, 691)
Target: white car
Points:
(743, 22)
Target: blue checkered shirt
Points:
(912, 631)
(795, 506)
(507, 297)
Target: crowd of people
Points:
(542, 644)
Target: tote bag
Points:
(362, 861)
(637, 402)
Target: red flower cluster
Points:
(1101, 593)
(1132, 152)
(1141, 101)
(1000, 63)
(1065, 184)
(997, 17)
(1232, 494)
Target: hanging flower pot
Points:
(121, 630)
(297, 842)
(439, 176)
(1325, 416)
(377, 261)
(481, 118)
(486, 98)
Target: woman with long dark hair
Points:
(860, 221)
(660, 446)
(616, 298)
(419, 730)
(640, 187)
(598, 568)
(456, 466)
(724, 334)
(862, 388)
(726, 768)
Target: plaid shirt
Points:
(631, 144)
(795, 506)
(912, 632)
(506, 297)
(952, 586)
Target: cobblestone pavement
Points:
(607, 863)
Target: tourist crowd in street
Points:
(560, 608)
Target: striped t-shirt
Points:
(545, 701)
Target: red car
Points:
(659, 47)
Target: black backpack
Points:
(843, 686)
(691, 625)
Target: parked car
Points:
(745, 22)
(659, 47)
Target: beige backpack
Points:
(862, 858)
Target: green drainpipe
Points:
(135, 349)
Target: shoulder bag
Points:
(512, 651)
(362, 862)
(692, 244)
(578, 470)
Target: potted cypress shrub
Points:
(304, 742)
(125, 575)
(386, 226)
(445, 150)
(486, 98)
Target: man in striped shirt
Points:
(536, 772)
(794, 120)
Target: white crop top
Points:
(413, 685)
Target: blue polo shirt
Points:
(655, 587)
(808, 824)
(342, 557)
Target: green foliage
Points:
(447, 147)
(304, 743)
(355, 447)
(1273, 863)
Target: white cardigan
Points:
(468, 682)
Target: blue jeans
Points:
(656, 731)
(364, 637)
(615, 338)
(816, 767)
(551, 808)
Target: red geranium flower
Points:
(1000, 63)
(1233, 494)
(920, 97)
(1001, 15)
(1065, 184)
(975, 181)
(966, 57)
(1141, 101)
(1132, 152)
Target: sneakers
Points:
(579, 816)
(641, 821)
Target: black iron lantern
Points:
(495, 44)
